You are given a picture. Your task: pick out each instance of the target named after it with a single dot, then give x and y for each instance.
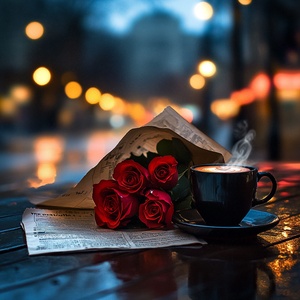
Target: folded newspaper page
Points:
(167, 125)
(68, 230)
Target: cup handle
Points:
(272, 192)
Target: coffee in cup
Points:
(222, 169)
(224, 194)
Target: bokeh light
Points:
(260, 85)
(92, 95)
(41, 76)
(48, 149)
(73, 90)
(287, 80)
(245, 2)
(21, 93)
(187, 114)
(207, 68)
(117, 121)
(46, 173)
(107, 101)
(287, 84)
(7, 106)
(158, 104)
(34, 30)
(120, 106)
(203, 11)
(197, 81)
(48, 152)
(243, 97)
(195, 111)
(225, 109)
(137, 112)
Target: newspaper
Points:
(68, 230)
(74, 229)
(140, 140)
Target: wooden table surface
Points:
(266, 266)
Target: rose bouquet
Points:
(145, 189)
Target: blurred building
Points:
(255, 48)
(159, 57)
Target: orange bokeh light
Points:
(243, 97)
(34, 30)
(197, 81)
(73, 90)
(260, 85)
(225, 109)
(287, 80)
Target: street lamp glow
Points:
(225, 109)
(34, 30)
(203, 11)
(107, 101)
(41, 76)
(21, 93)
(207, 68)
(197, 81)
(73, 90)
(92, 95)
(245, 2)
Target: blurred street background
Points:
(76, 75)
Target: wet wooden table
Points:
(266, 266)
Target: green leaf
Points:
(185, 203)
(182, 170)
(142, 159)
(181, 152)
(182, 189)
(151, 155)
(164, 147)
(176, 148)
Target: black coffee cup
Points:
(224, 194)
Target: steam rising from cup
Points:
(242, 149)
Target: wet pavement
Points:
(38, 160)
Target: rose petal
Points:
(114, 207)
(163, 172)
(157, 210)
(131, 176)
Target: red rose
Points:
(157, 210)
(163, 172)
(131, 176)
(114, 207)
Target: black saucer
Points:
(255, 221)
